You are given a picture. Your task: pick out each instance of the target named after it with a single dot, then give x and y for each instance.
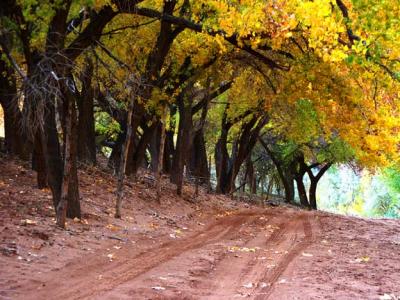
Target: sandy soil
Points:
(204, 247)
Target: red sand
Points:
(205, 247)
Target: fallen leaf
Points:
(282, 281)
(113, 227)
(28, 222)
(363, 259)
(271, 266)
(388, 297)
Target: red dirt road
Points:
(204, 247)
(276, 253)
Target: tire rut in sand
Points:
(79, 280)
(295, 245)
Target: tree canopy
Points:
(316, 82)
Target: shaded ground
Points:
(204, 247)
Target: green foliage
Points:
(106, 127)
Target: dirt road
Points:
(275, 253)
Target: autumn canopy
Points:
(210, 92)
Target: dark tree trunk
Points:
(302, 191)
(228, 168)
(285, 174)
(15, 141)
(313, 193)
(52, 154)
(160, 156)
(74, 207)
(183, 143)
(138, 157)
(123, 160)
(69, 201)
(222, 163)
(154, 148)
(169, 151)
(39, 163)
(86, 136)
(197, 162)
(314, 182)
(288, 184)
(254, 185)
(251, 179)
(115, 156)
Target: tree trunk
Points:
(154, 148)
(86, 137)
(314, 182)
(15, 141)
(169, 150)
(302, 191)
(69, 155)
(284, 174)
(160, 156)
(74, 206)
(52, 154)
(123, 160)
(183, 142)
(197, 162)
(288, 184)
(39, 163)
(313, 193)
(222, 161)
(138, 156)
(115, 156)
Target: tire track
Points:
(296, 245)
(79, 280)
(233, 272)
